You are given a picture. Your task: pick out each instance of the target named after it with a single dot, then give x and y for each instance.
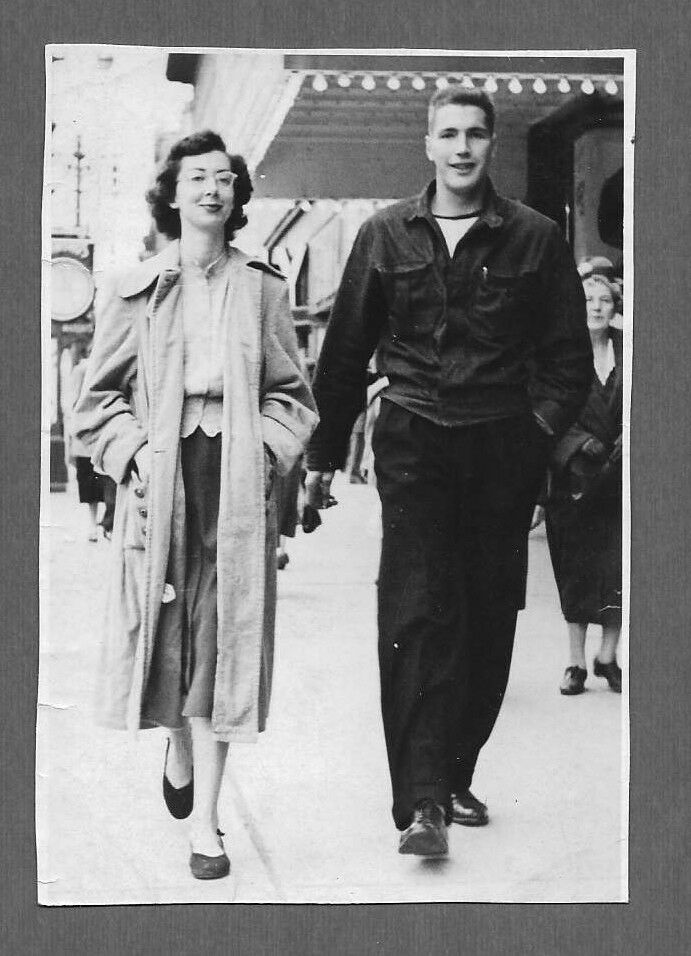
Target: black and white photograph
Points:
(335, 516)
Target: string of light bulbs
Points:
(490, 82)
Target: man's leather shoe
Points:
(610, 671)
(179, 800)
(574, 681)
(427, 833)
(468, 810)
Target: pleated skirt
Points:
(183, 667)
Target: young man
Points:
(476, 310)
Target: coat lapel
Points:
(241, 519)
(166, 393)
(602, 413)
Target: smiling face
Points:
(599, 303)
(204, 191)
(460, 145)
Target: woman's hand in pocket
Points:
(140, 464)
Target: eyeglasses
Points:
(221, 180)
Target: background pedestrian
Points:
(583, 514)
(90, 486)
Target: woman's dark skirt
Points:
(585, 547)
(201, 472)
(89, 484)
(182, 677)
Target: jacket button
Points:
(143, 512)
(139, 492)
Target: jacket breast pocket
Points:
(501, 303)
(414, 298)
(134, 517)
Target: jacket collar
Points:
(492, 213)
(166, 264)
(142, 276)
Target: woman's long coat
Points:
(133, 396)
(584, 534)
(600, 418)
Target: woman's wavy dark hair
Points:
(162, 193)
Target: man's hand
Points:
(318, 489)
(593, 448)
(317, 497)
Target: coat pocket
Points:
(414, 298)
(135, 505)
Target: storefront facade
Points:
(340, 135)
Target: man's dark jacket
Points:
(484, 334)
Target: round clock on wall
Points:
(72, 289)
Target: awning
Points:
(342, 126)
(356, 125)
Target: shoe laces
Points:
(428, 811)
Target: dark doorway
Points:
(551, 154)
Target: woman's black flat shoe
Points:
(574, 681)
(611, 672)
(179, 800)
(210, 867)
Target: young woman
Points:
(192, 400)
(583, 514)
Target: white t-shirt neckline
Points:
(453, 228)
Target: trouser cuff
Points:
(403, 811)
(463, 771)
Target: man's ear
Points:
(174, 205)
(427, 149)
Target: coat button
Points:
(139, 492)
(143, 512)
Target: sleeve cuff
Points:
(543, 424)
(550, 417)
(281, 442)
(116, 458)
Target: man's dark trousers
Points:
(456, 510)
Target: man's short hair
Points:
(460, 96)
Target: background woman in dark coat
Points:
(583, 513)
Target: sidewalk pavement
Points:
(307, 810)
